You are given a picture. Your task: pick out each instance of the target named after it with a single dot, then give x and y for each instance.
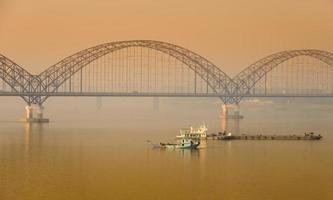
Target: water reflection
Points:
(27, 131)
(98, 161)
(189, 153)
(33, 135)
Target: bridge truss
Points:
(153, 68)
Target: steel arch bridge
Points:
(154, 68)
(246, 80)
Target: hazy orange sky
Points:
(232, 34)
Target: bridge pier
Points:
(230, 121)
(224, 118)
(236, 111)
(34, 114)
(237, 114)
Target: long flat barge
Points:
(306, 136)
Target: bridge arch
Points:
(246, 79)
(20, 81)
(53, 77)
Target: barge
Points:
(229, 136)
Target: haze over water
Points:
(92, 150)
(100, 152)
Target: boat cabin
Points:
(193, 133)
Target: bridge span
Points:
(158, 69)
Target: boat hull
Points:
(187, 145)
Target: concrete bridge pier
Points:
(34, 114)
(235, 111)
(225, 113)
(224, 118)
(230, 118)
(237, 114)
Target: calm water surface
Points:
(100, 153)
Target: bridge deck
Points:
(116, 94)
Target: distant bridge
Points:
(153, 68)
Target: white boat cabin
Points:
(193, 133)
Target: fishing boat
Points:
(193, 133)
(182, 144)
(312, 136)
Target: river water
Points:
(98, 150)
